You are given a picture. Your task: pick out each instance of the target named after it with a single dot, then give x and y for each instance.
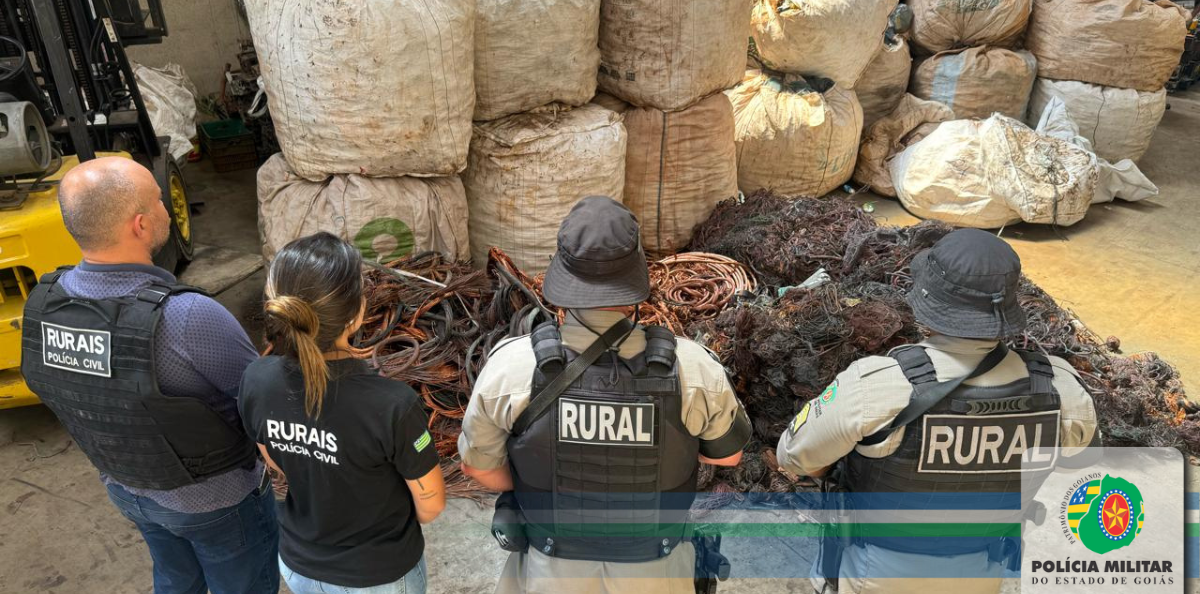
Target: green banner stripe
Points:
(806, 530)
(1193, 530)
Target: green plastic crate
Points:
(229, 144)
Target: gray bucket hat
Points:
(966, 286)
(599, 262)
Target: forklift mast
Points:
(67, 57)
(68, 95)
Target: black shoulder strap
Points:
(915, 363)
(1041, 372)
(926, 395)
(157, 294)
(542, 401)
(52, 277)
(548, 349)
(660, 349)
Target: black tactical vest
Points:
(971, 443)
(609, 472)
(91, 361)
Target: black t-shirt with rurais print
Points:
(349, 517)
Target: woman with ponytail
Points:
(362, 472)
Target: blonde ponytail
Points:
(302, 326)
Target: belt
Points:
(610, 550)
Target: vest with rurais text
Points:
(91, 361)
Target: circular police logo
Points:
(1106, 514)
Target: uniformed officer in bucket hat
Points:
(599, 460)
(951, 416)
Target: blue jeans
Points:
(228, 551)
(413, 582)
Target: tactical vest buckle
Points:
(153, 295)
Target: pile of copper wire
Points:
(693, 286)
(431, 323)
(783, 347)
(684, 288)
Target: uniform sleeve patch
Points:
(422, 442)
(829, 394)
(801, 417)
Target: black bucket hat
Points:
(599, 262)
(966, 286)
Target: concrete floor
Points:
(1130, 270)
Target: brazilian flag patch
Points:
(422, 442)
(801, 417)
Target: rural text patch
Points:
(605, 423)
(960, 444)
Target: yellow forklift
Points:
(67, 95)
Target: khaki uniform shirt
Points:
(869, 394)
(502, 392)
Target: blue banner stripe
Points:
(1192, 501)
(1191, 556)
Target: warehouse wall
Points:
(202, 37)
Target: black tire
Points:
(181, 245)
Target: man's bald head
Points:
(101, 197)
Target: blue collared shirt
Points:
(200, 352)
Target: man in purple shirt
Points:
(173, 455)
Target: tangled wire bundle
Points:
(693, 286)
(789, 343)
(432, 323)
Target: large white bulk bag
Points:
(990, 173)
(1119, 122)
(978, 81)
(912, 120)
(1131, 44)
(385, 218)
(885, 81)
(678, 166)
(529, 53)
(527, 170)
(668, 55)
(833, 39)
(940, 25)
(1121, 179)
(791, 138)
(380, 88)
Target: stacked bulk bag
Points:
(385, 218)
(527, 170)
(993, 172)
(517, 71)
(383, 88)
(941, 25)
(834, 39)
(678, 166)
(1130, 44)
(1118, 122)
(911, 121)
(794, 138)
(885, 80)
(669, 55)
(977, 82)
